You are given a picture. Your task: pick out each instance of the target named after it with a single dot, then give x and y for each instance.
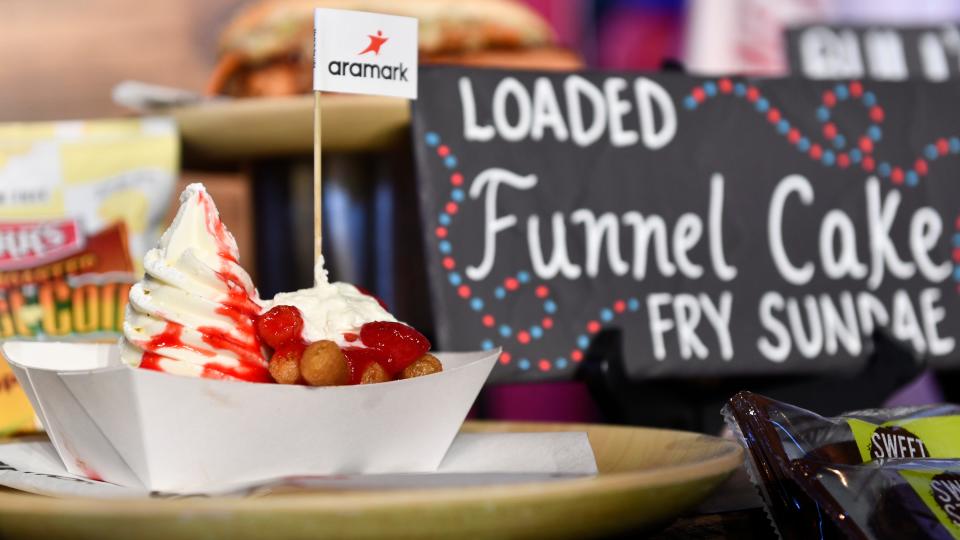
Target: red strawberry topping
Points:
(279, 325)
(358, 358)
(401, 343)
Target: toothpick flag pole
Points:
(358, 53)
(317, 180)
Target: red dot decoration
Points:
(542, 291)
(956, 224)
(793, 135)
(463, 291)
(943, 146)
(544, 364)
(505, 357)
(829, 98)
(547, 323)
(866, 144)
(867, 163)
(451, 208)
(921, 167)
(856, 89)
(698, 94)
(816, 152)
(593, 327)
(753, 94)
(576, 355)
(773, 115)
(441, 232)
(511, 283)
(897, 175)
(843, 160)
(829, 130)
(619, 306)
(876, 114)
(726, 86)
(488, 321)
(956, 254)
(449, 263)
(456, 179)
(443, 150)
(523, 337)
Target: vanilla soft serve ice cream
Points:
(331, 311)
(194, 311)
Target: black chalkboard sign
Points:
(874, 52)
(724, 226)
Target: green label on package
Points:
(932, 437)
(940, 491)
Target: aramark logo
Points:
(376, 41)
(369, 70)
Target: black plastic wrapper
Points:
(886, 499)
(776, 434)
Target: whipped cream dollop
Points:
(193, 312)
(331, 310)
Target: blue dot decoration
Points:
(444, 246)
(523, 276)
(839, 142)
(828, 157)
(536, 332)
(869, 99)
(500, 293)
(550, 307)
(954, 145)
(710, 88)
(803, 144)
(689, 103)
(841, 92)
(457, 195)
(476, 304)
(431, 138)
(505, 330)
(523, 364)
(930, 151)
(740, 89)
(912, 178)
(762, 105)
(606, 315)
(450, 162)
(486, 345)
(560, 363)
(956, 240)
(956, 274)
(633, 304)
(783, 126)
(856, 155)
(874, 133)
(823, 113)
(455, 279)
(883, 169)
(583, 341)
(444, 219)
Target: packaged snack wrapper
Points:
(80, 202)
(886, 499)
(776, 435)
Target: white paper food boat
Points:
(165, 432)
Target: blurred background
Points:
(64, 60)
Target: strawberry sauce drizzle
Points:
(238, 306)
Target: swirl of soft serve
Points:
(193, 312)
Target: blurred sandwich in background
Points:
(266, 49)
